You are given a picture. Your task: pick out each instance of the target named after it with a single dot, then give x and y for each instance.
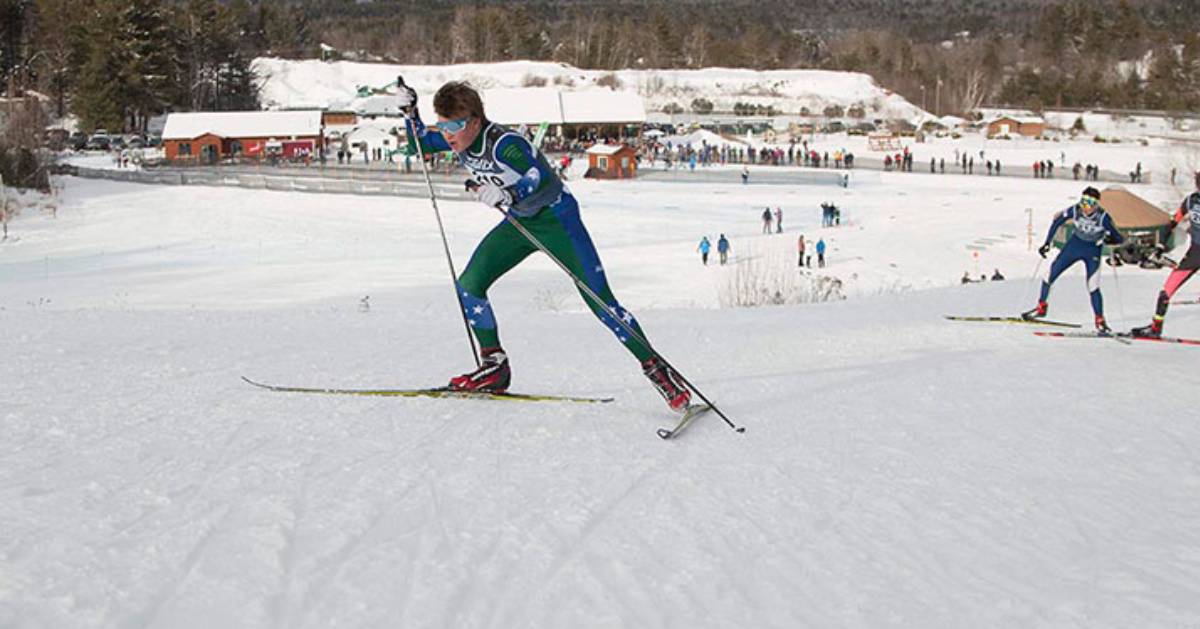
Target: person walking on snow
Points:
(508, 172)
(723, 249)
(1189, 211)
(800, 247)
(704, 248)
(821, 253)
(778, 220)
(766, 218)
(1093, 228)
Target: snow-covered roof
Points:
(523, 105)
(603, 106)
(242, 124)
(535, 105)
(1026, 119)
(369, 133)
(375, 105)
(605, 149)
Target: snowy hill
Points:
(313, 83)
(897, 470)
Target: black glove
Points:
(1043, 250)
(406, 97)
(1160, 248)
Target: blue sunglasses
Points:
(453, 126)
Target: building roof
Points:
(1018, 119)
(606, 149)
(535, 105)
(369, 133)
(529, 105)
(1130, 211)
(242, 124)
(603, 106)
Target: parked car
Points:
(97, 143)
(77, 141)
(154, 141)
(116, 143)
(136, 142)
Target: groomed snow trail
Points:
(897, 469)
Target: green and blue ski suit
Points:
(541, 203)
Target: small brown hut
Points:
(611, 161)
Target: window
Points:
(235, 147)
(602, 162)
(185, 148)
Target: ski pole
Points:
(1117, 285)
(1037, 269)
(462, 308)
(587, 290)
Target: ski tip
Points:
(741, 430)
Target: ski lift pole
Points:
(462, 308)
(587, 290)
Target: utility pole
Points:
(1029, 230)
(937, 100)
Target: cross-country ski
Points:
(1124, 337)
(434, 392)
(1012, 320)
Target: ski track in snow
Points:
(897, 470)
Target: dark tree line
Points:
(117, 62)
(952, 55)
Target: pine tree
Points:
(103, 82)
(15, 28)
(57, 41)
(216, 74)
(153, 71)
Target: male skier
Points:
(1093, 227)
(1189, 210)
(508, 172)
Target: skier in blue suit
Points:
(1093, 228)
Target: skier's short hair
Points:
(457, 98)
(1091, 192)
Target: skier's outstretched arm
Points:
(1059, 221)
(1113, 236)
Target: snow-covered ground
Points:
(897, 470)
